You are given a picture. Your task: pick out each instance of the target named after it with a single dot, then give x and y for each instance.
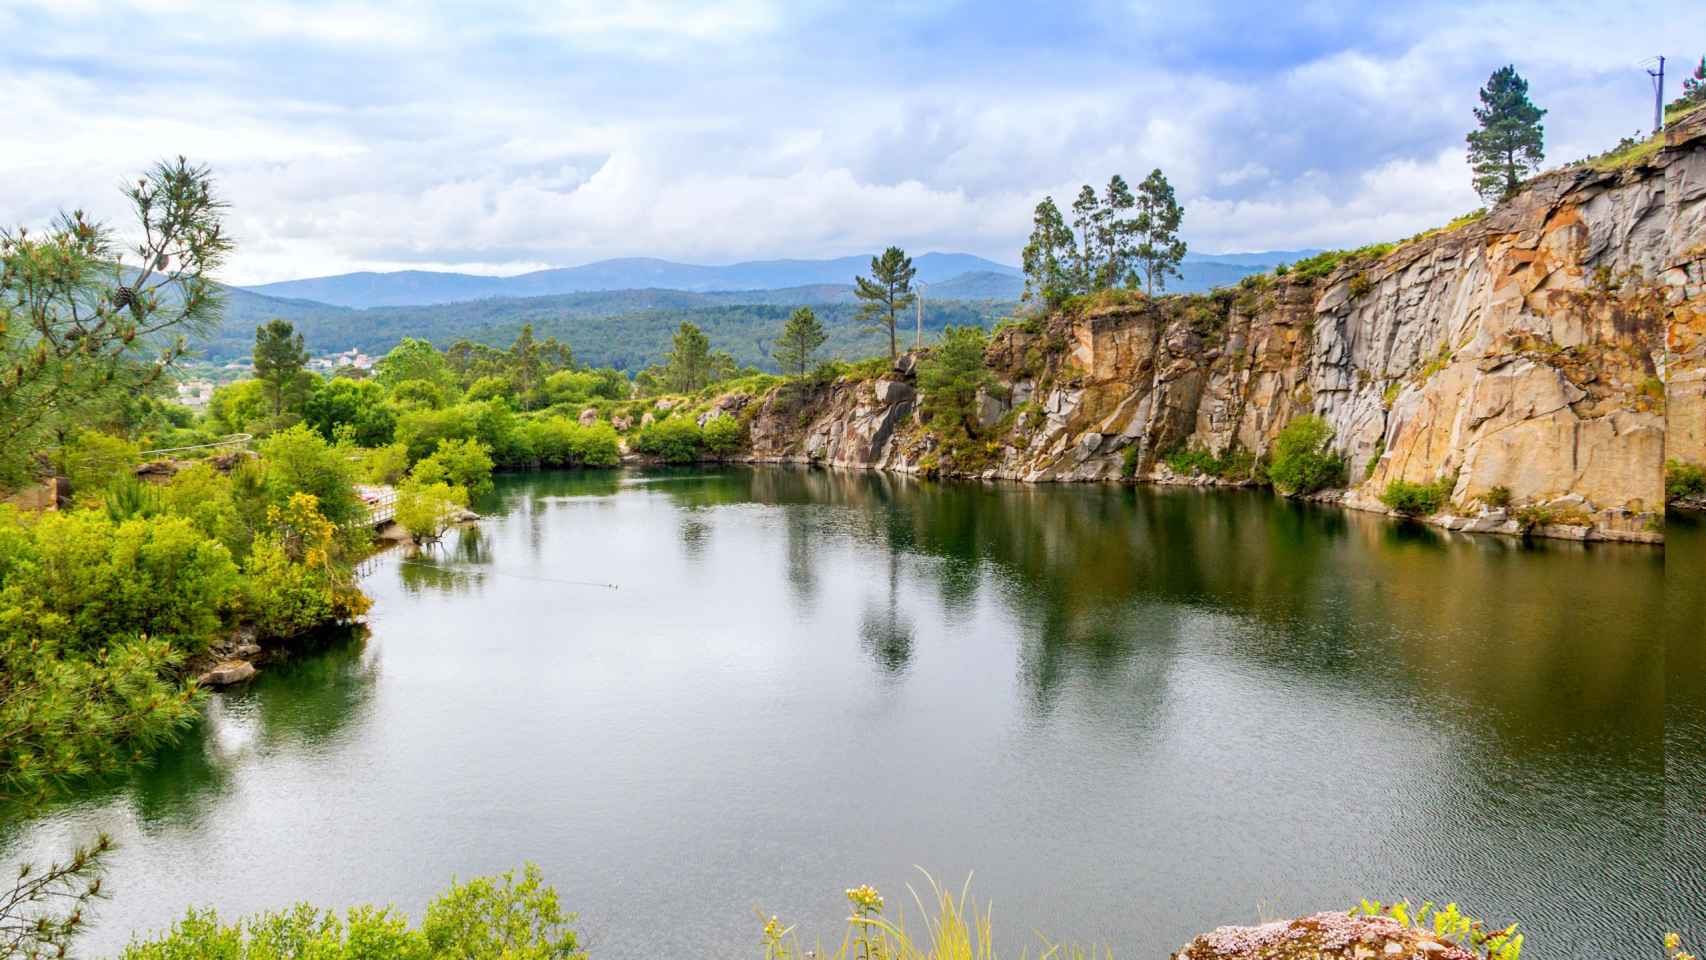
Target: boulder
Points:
(245, 651)
(647, 420)
(1324, 936)
(589, 416)
(893, 391)
(622, 422)
(226, 673)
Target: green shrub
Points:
(1416, 499)
(1302, 458)
(487, 918)
(1497, 497)
(95, 461)
(1128, 461)
(96, 579)
(385, 465)
(294, 576)
(1684, 480)
(357, 404)
(426, 509)
(950, 376)
(298, 460)
(1190, 461)
(460, 463)
(723, 435)
(677, 440)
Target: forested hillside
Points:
(626, 329)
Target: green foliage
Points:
(90, 579)
(1417, 499)
(676, 440)
(723, 435)
(1192, 461)
(465, 463)
(487, 918)
(1128, 462)
(1497, 497)
(426, 508)
(886, 292)
(1684, 480)
(239, 407)
(1510, 142)
(1303, 461)
(413, 359)
(94, 461)
(81, 329)
(296, 576)
(298, 460)
(950, 376)
(491, 422)
(87, 676)
(1325, 262)
(561, 442)
(359, 404)
(802, 336)
(579, 386)
(1449, 924)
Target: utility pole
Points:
(1658, 95)
(918, 340)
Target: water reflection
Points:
(1173, 703)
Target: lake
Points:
(1135, 713)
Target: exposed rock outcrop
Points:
(1320, 937)
(1544, 355)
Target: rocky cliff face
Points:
(1551, 349)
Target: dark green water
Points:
(1135, 713)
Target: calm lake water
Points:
(1135, 713)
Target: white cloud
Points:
(369, 136)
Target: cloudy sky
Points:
(463, 136)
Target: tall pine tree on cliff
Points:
(1511, 142)
(886, 292)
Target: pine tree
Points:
(281, 363)
(1510, 143)
(801, 337)
(81, 325)
(1051, 256)
(688, 365)
(886, 293)
(1156, 228)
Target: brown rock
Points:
(227, 672)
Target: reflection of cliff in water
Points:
(1683, 864)
(1094, 570)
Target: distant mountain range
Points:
(415, 287)
(944, 275)
(621, 312)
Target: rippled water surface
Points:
(1135, 713)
